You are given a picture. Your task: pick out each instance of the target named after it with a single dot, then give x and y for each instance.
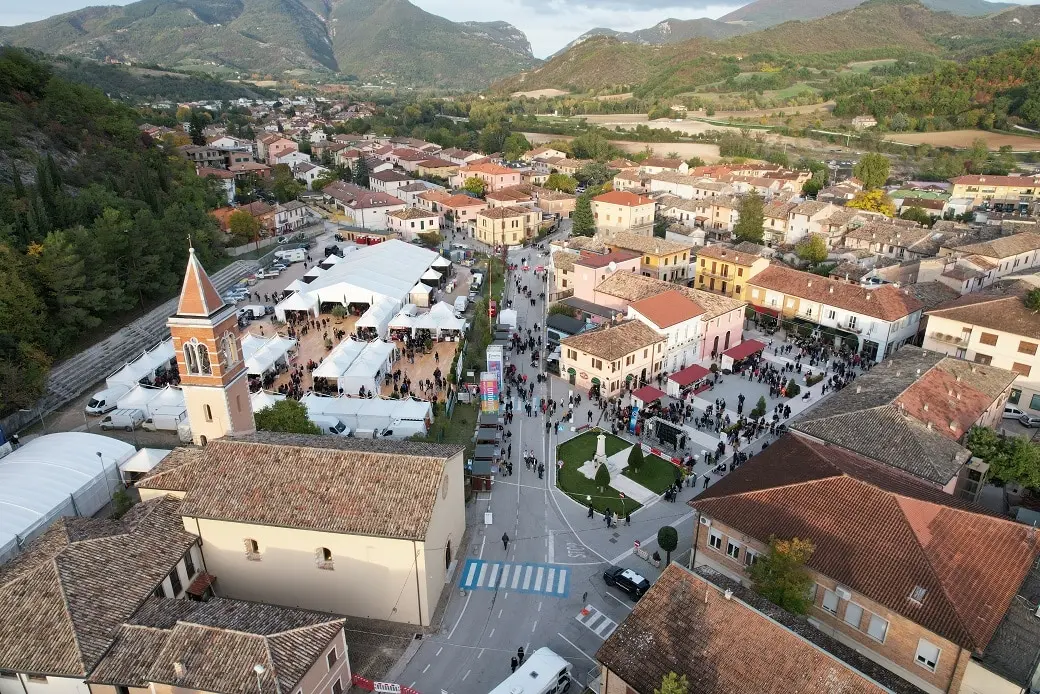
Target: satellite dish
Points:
(612, 266)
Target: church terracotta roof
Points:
(198, 295)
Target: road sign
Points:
(637, 544)
(386, 688)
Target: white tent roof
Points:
(37, 479)
(296, 285)
(440, 317)
(300, 301)
(441, 261)
(339, 359)
(139, 398)
(144, 365)
(261, 353)
(378, 315)
(144, 460)
(431, 274)
(421, 289)
(387, 269)
(507, 317)
(401, 321)
(369, 364)
(367, 413)
(168, 397)
(316, 271)
(331, 260)
(261, 400)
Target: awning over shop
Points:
(691, 374)
(647, 395)
(744, 350)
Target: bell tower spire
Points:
(209, 358)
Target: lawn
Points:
(459, 429)
(574, 453)
(656, 474)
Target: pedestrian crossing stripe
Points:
(598, 623)
(545, 579)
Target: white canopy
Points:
(402, 321)
(439, 318)
(441, 261)
(378, 316)
(370, 413)
(139, 398)
(262, 353)
(331, 260)
(56, 475)
(144, 366)
(368, 369)
(339, 359)
(296, 285)
(261, 400)
(316, 271)
(421, 294)
(421, 289)
(389, 269)
(144, 460)
(431, 275)
(507, 317)
(300, 301)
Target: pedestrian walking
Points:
(505, 541)
(520, 654)
(513, 663)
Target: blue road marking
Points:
(527, 577)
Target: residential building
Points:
(388, 181)
(459, 156)
(1001, 256)
(724, 638)
(840, 193)
(727, 269)
(725, 211)
(431, 199)
(543, 153)
(556, 202)
(691, 213)
(874, 320)
(277, 148)
(914, 579)
(227, 142)
(896, 242)
(308, 173)
(506, 226)
(613, 356)
(290, 158)
(1016, 191)
(624, 211)
(226, 179)
(568, 166)
(203, 155)
(927, 402)
(410, 192)
(437, 168)
(520, 196)
(580, 272)
(292, 216)
(251, 168)
(408, 159)
(677, 317)
(494, 176)
(775, 216)
(808, 218)
(662, 259)
(311, 522)
(460, 211)
(61, 602)
(361, 207)
(217, 646)
(655, 165)
(412, 221)
(629, 180)
(992, 327)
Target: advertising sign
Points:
(489, 399)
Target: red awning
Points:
(691, 374)
(200, 584)
(744, 350)
(647, 394)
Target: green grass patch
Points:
(571, 482)
(867, 65)
(459, 429)
(793, 90)
(656, 474)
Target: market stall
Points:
(691, 380)
(734, 356)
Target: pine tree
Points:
(584, 222)
(752, 219)
(16, 178)
(361, 172)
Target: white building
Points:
(677, 317)
(412, 221)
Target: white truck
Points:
(329, 425)
(127, 420)
(292, 255)
(542, 672)
(253, 311)
(461, 303)
(105, 401)
(165, 419)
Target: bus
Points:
(542, 672)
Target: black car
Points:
(339, 237)
(627, 580)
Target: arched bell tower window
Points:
(196, 358)
(228, 350)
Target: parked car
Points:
(1030, 420)
(283, 239)
(627, 580)
(270, 272)
(1012, 412)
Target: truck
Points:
(165, 419)
(329, 425)
(461, 303)
(104, 401)
(255, 311)
(542, 672)
(127, 419)
(292, 255)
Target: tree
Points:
(584, 222)
(561, 181)
(635, 458)
(694, 162)
(780, 574)
(916, 214)
(243, 227)
(812, 187)
(286, 415)
(872, 169)
(874, 201)
(475, 185)
(1032, 300)
(760, 408)
(283, 185)
(594, 174)
(668, 540)
(602, 477)
(559, 309)
(752, 218)
(673, 684)
(515, 145)
(1010, 458)
(359, 174)
(812, 249)
(195, 127)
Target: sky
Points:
(549, 24)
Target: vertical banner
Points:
(496, 363)
(632, 419)
(489, 400)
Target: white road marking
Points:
(480, 654)
(500, 614)
(480, 555)
(552, 549)
(591, 659)
(494, 574)
(505, 576)
(549, 580)
(527, 577)
(538, 579)
(469, 576)
(426, 668)
(469, 671)
(534, 626)
(562, 583)
(539, 606)
(480, 576)
(622, 602)
(653, 538)
(516, 577)
(412, 685)
(492, 633)
(438, 651)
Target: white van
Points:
(543, 672)
(461, 303)
(1012, 412)
(127, 420)
(104, 401)
(292, 255)
(329, 425)
(476, 280)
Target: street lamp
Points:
(108, 484)
(39, 413)
(259, 670)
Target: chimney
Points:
(831, 288)
(859, 389)
(953, 425)
(868, 296)
(926, 407)
(729, 594)
(929, 426)
(179, 671)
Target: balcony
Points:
(959, 340)
(848, 327)
(722, 273)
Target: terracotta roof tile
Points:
(668, 308)
(1003, 247)
(504, 212)
(650, 245)
(881, 534)
(611, 342)
(886, 302)
(624, 198)
(198, 295)
(996, 309)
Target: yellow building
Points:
(663, 259)
(510, 225)
(620, 210)
(726, 269)
(1003, 188)
(630, 352)
(440, 168)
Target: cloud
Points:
(552, 24)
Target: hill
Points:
(766, 13)
(668, 31)
(873, 30)
(390, 39)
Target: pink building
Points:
(280, 148)
(495, 176)
(581, 272)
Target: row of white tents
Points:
(354, 364)
(439, 320)
(378, 414)
(262, 354)
(144, 367)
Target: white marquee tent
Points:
(378, 316)
(55, 475)
(262, 399)
(420, 294)
(368, 369)
(142, 461)
(508, 317)
(441, 262)
(339, 359)
(144, 366)
(262, 353)
(440, 318)
(300, 301)
(371, 413)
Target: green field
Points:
(866, 65)
(793, 90)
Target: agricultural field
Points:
(964, 138)
(538, 93)
(868, 65)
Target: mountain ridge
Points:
(372, 39)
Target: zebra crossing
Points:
(544, 579)
(598, 623)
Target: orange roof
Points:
(623, 197)
(460, 200)
(488, 168)
(198, 295)
(668, 308)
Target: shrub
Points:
(760, 408)
(814, 379)
(793, 389)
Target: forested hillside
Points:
(992, 91)
(94, 220)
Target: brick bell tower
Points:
(209, 358)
